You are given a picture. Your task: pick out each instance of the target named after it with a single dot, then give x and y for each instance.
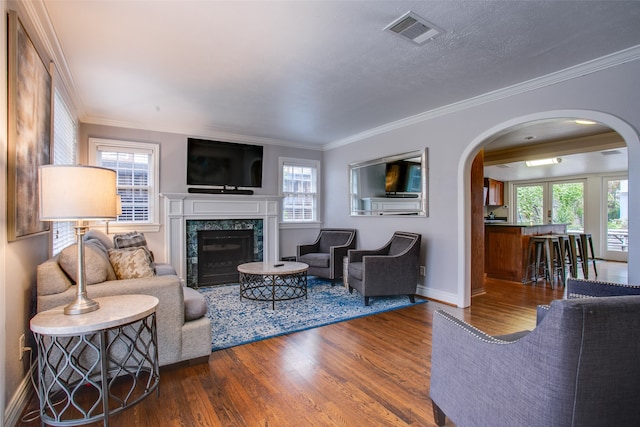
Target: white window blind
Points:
(136, 174)
(299, 190)
(65, 144)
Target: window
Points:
(299, 185)
(136, 166)
(65, 143)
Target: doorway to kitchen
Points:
(593, 147)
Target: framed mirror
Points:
(392, 185)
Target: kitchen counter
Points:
(505, 246)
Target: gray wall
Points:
(610, 95)
(173, 161)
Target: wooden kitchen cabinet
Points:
(495, 193)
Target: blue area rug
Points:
(235, 322)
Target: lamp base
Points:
(81, 305)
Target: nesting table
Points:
(96, 364)
(281, 281)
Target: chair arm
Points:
(355, 255)
(541, 311)
(308, 249)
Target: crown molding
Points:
(589, 67)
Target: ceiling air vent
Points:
(413, 28)
(610, 152)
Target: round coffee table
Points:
(281, 281)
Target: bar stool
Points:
(568, 251)
(585, 246)
(545, 252)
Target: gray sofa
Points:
(184, 333)
(577, 368)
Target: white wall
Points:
(611, 96)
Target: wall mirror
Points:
(392, 185)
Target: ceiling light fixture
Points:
(584, 122)
(543, 162)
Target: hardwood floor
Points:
(368, 371)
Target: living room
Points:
(603, 88)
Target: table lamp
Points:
(77, 193)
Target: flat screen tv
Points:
(226, 164)
(402, 177)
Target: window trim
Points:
(154, 203)
(304, 163)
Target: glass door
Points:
(530, 204)
(567, 201)
(559, 202)
(616, 229)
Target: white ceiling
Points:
(561, 137)
(313, 73)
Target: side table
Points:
(96, 364)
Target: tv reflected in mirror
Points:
(391, 185)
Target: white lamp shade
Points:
(77, 193)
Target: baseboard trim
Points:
(444, 297)
(20, 399)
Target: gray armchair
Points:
(580, 288)
(325, 255)
(585, 288)
(389, 270)
(577, 368)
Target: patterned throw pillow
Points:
(131, 263)
(133, 239)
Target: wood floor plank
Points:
(367, 371)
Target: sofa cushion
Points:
(355, 270)
(316, 259)
(195, 306)
(131, 263)
(96, 262)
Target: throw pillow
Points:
(129, 240)
(98, 245)
(131, 263)
(96, 262)
(133, 239)
(100, 236)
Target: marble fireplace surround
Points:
(181, 207)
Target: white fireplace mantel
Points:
(180, 207)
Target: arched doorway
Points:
(464, 174)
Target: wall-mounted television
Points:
(223, 164)
(402, 177)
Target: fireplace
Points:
(185, 214)
(219, 254)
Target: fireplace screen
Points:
(219, 254)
